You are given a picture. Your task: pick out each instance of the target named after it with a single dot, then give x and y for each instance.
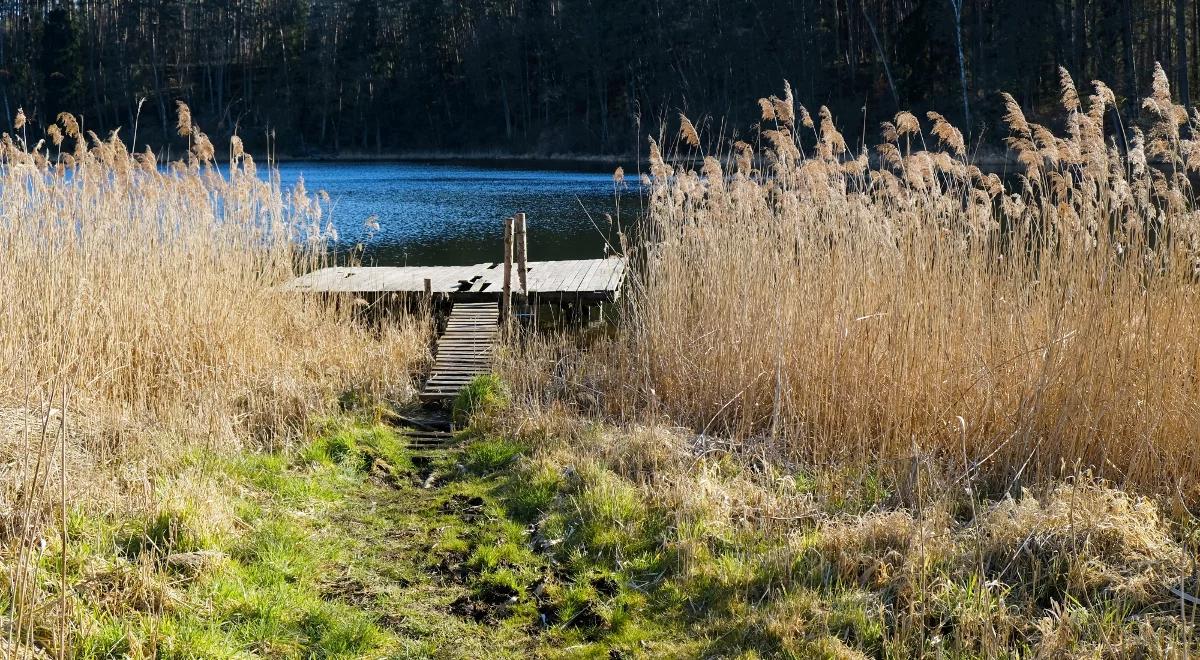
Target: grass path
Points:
(403, 563)
(350, 547)
(335, 552)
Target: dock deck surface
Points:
(585, 280)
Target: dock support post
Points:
(425, 304)
(522, 253)
(506, 296)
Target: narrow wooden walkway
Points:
(464, 350)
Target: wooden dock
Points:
(585, 281)
(480, 298)
(464, 350)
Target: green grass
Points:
(268, 595)
(479, 401)
(331, 551)
(336, 550)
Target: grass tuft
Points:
(484, 396)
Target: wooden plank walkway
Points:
(584, 280)
(464, 350)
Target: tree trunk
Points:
(158, 90)
(507, 110)
(1081, 39)
(956, 6)
(1131, 103)
(851, 54)
(887, 70)
(1181, 50)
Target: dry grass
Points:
(850, 307)
(142, 317)
(883, 402)
(789, 561)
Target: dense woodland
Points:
(562, 76)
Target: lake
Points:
(433, 214)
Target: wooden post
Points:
(522, 253)
(506, 296)
(426, 303)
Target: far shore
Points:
(587, 162)
(989, 160)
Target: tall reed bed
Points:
(848, 307)
(142, 315)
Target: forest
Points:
(346, 77)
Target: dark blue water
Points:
(438, 214)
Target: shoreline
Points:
(990, 161)
(582, 162)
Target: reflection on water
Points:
(435, 214)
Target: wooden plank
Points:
(613, 285)
(460, 346)
(452, 350)
(571, 274)
(599, 278)
(600, 273)
(597, 267)
(566, 272)
(573, 285)
(544, 277)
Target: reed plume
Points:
(687, 132)
(183, 124)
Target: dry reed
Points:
(847, 311)
(143, 316)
